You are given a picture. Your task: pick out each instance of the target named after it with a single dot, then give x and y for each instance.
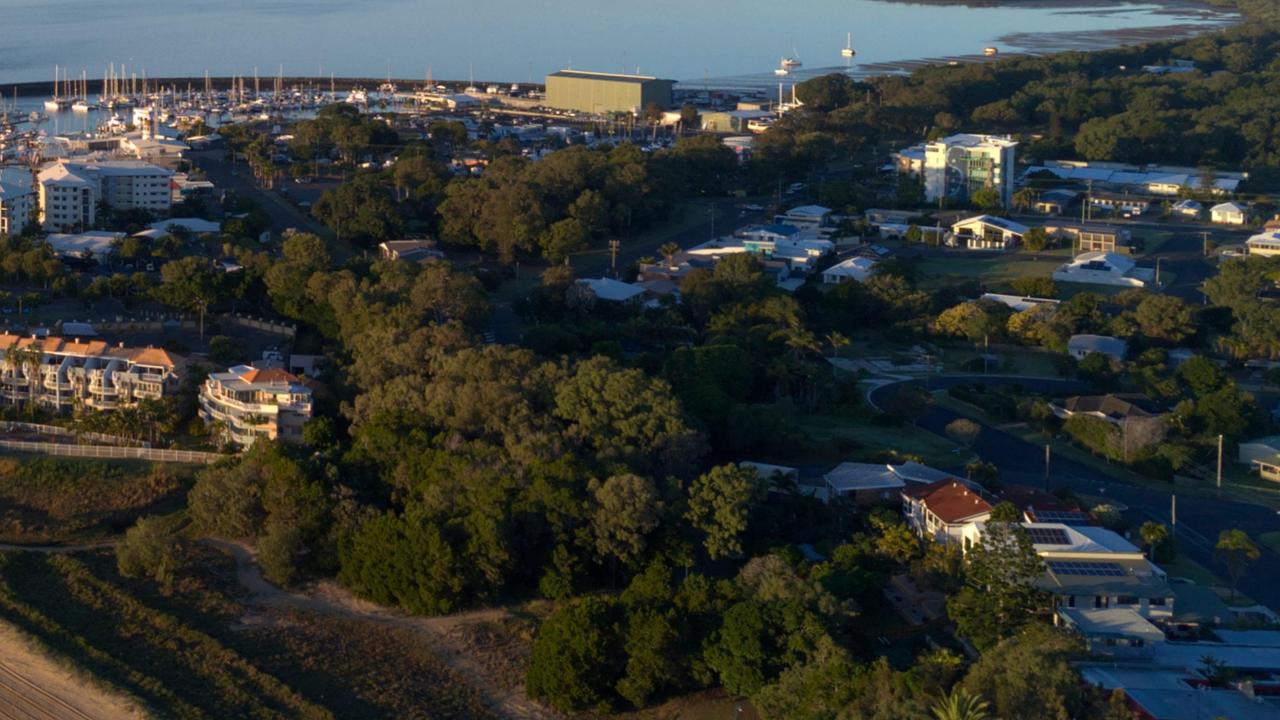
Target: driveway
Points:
(1199, 519)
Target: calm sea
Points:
(522, 40)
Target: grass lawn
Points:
(866, 440)
(1271, 540)
(996, 271)
(1182, 567)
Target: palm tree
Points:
(960, 705)
(1154, 535)
(1237, 551)
(669, 251)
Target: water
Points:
(510, 40)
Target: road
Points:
(238, 178)
(1200, 519)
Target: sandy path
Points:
(440, 632)
(34, 687)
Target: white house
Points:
(805, 216)
(855, 269)
(987, 232)
(253, 404)
(1082, 346)
(1229, 213)
(1188, 208)
(1104, 268)
(940, 511)
(97, 242)
(1262, 454)
(196, 226)
(870, 483)
(1264, 243)
(611, 290)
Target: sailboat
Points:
(847, 51)
(56, 103)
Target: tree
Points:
(1040, 286)
(152, 549)
(189, 284)
(720, 502)
(1001, 596)
(959, 704)
(627, 509)
(1024, 198)
(1237, 552)
(1154, 535)
(654, 655)
(1036, 239)
(987, 199)
(689, 117)
(836, 340)
(827, 92)
(973, 320)
(963, 431)
(668, 252)
(576, 658)
(1029, 675)
(1201, 375)
(745, 653)
(563, 238)
(1165, 318)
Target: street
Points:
(1199, 519)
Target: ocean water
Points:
(518, 41)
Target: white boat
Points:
(791, 63)
(37, 117)
(357, 96)
(847, 51)
(82, 106)
(781, 71)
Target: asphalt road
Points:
(1199, 519)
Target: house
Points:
(1056, 201)
(1229, 213)
(767, 471)
(1264, 244)
(805, 216)
(1263, 454)
(1092, 238)
(1112, 632)
(409, 250)
(62, 374)
(987, 232)
(1104, 268)
(254, 404)
(1039, 506)
(610, 290)
(870, 483)
(882, 216)
(17, 199)
(1017, 303)
(855, 269)
(1149, 179)
(1159, 692)
(958, 166)
(941, 510)
(98, 243)
(1082, 346)
(1113, 408)
(1187, 208)
(1124, 204)
(195, 226)
(1091, 567)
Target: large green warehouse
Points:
(600, 93)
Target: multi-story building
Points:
(253, 403)
(601, 93)
(68, 198)
(17, 199)
(64, 375)
(955, 167)
(70, 191)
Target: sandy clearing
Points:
(33, 685)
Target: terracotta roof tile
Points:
(951, 500)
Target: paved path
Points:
(1200, 519)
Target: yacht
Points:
(358, 96)
(791, 63)
(847, 50)
(82, 106)
(781, 71)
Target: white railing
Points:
(109, 452)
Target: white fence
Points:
(108, 452)
(60, 431)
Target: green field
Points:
(864, 440)
(995, 271)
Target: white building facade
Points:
(957, 166)
(17, 199)
(256, 404)
(64, 375)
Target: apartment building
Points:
(17, 199)
(63, 375)
(70, 191)
(955, 167)
(253, 403)
(68, 198)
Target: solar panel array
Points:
(1093, 569)
(1066, 517)
(1048, 536)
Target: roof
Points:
(246, 377)
(1098, 343)
(951, 500)
(154, 357)
(15, 182)
(851, 477)
(856, 268)
(1199, 605)
(62, 174)
(1228, 207)
(195, 225)
(1018, 302)
(999, 222)
(807, 211)
(1270, 236)
(96, 241)
(54, 345)
(1168, 694)
(1119, 576)
(973, 140)
(1105, 261)
(1187, 204)
(915, 472)
(1044, 507)
(1114, 406)
(1113, 622)
(611, 77)
(612, 290)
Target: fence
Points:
(60, 431)
(108, 452)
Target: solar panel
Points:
(1066, 517)
(1094, 569)
(1048, 536)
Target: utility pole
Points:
(1046, 466)
(614, 245)
(1158, 271)
(1204, 236)
(1173, 514)
(1219, 462)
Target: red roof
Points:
(269, 375)
(951, 500)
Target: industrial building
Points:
(601, 93)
